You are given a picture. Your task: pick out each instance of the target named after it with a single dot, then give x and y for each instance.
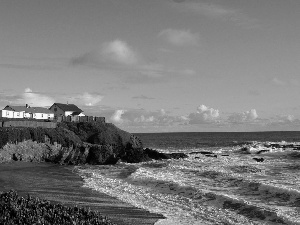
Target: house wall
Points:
(28, 115)
(57, 111)
(11, 114)
(28, 124)
(7, 113)
(43, 116)
(68, 113)
(18, 115)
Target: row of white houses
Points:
(56, 110)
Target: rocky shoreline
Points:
(60, 184)
(27, 165)
(76, 144)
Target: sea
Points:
(228, 178)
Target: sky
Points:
(159, 65)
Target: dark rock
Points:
(14, 157)
(259, 159)
(215, 156)
(133, 155)
(245, 150)
(100, 154)
(177, 155)
(202, 152)
(261, 151)
(153, 154)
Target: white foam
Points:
(177, 208)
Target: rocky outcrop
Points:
(153, 154)
(76, 143)
(102, 134)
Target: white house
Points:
(26, 112)
(11, 114)
(60, 109)
(42, 113)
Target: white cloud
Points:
(284, 119)
(278, 82)
(117, 116)
(27, 90)
(180, 37)
(119, 51)
(204, 114)
(125, 63)
(287, 82)
(142, 117)
(91, 99)
(86, 99)
(247, 116)
(217, 11)
(208, 9)
(34, 99)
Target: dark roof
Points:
(41, 110)
(75, 113)
(16, 108)
(68, 107)
(28, 110)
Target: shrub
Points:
(29, 210)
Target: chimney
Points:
(27, 106)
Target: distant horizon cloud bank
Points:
(204, 116)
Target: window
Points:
(55, 109)
(7, 113)
(18, 113)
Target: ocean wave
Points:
(180, 208)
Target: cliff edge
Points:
(75, 143)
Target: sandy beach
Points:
(59, 183)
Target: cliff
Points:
(74, 143)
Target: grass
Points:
(15, 209)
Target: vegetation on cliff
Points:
(41, 135)
(101, 134)
(75, 143)
(18, 210)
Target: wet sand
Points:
(60, 184)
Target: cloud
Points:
(119, 51)
(87, 99)
(216, 11)
(143, 97)
(278, 82)
(204, 114)
(283, 119)
(248, 116)
(141, 117)
(91, 99)
(288, 82)
(31, 98)
(180, 37)
(117, 116)
(117, 58)
(282, 122)
(207, 9)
